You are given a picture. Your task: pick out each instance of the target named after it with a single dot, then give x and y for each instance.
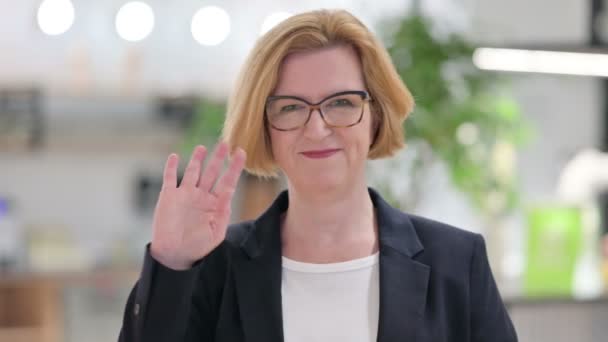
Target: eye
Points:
(290, 108)
(342, 102)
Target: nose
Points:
(316, 128)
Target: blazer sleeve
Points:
(490, 321)
(160, 306)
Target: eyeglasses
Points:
(343, 109)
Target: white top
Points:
(331, 302)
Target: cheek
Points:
(373, 122)
(366, 131)
(280, 143)
(275, 143)
(358, 141)
(373, 127)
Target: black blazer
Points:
(435, 285)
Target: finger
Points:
(170, 172)
(227, 184)
(213, 169)
(193, 170)
(225, 191)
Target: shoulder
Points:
(421, 236)
(446, 245)
(238, 232)
(435, 233)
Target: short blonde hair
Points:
(245, 125)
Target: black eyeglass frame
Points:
(364, 96)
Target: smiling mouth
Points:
(320, 153)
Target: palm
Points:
(191, 220)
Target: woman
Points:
(330, 260)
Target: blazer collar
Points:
(395, 228)
(403, 280)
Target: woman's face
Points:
(314, 76)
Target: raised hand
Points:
(190, 220)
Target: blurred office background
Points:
(95, 94)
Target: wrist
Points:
(169, 262)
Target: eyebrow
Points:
(321, 100)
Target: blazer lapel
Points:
(403, 280)
(258, 277)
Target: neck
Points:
(331, 226)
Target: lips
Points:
(316, 154)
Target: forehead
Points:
(315, 74)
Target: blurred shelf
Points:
(20, 334)
(112, 140)
(69, 278)
(29, 313)
(96, 121)
(559, 319)
(32, 304)
(547, 301)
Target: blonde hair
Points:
(245, 125)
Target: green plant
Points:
(460, 118)
(205, 127)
